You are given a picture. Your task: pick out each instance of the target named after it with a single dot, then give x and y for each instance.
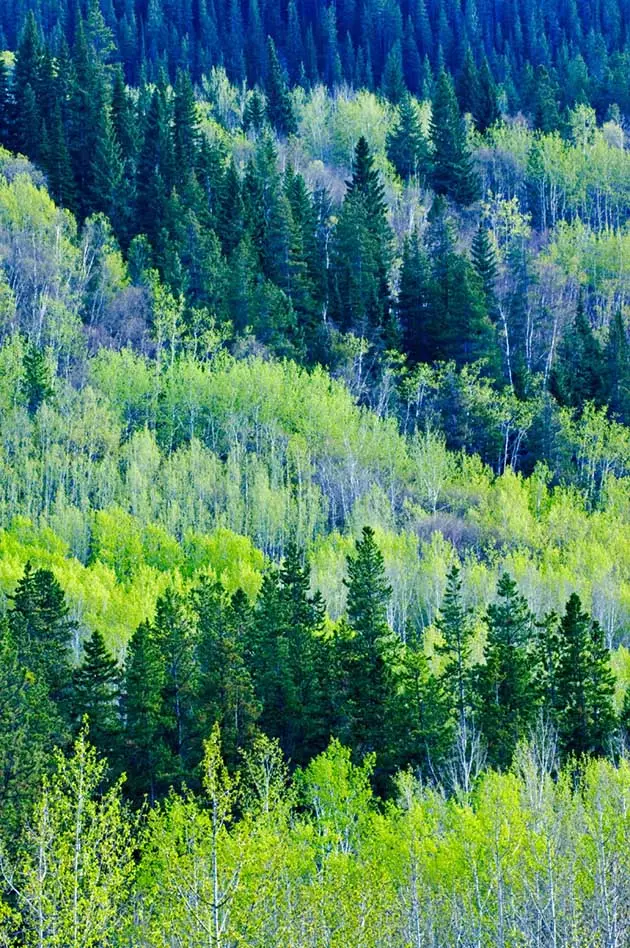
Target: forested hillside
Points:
(314, 474)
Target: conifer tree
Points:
(37, 381)
(453, 172)
(279, 107)
(617, 369)
(484, 260)
(453, 624)
(578, 374)
(487, 112)
(584, 684)
(369, 652)
(145, 756)
(225, 688)
(96, 693)
(42, 629)
(393, 82)
(505, 687)
(5, 105)
(407, 148)
(55, 158)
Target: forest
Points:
(314, 474)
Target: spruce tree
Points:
(42, 630)
(453, 172)
(578, 374)
(484, 260)
(487, 112)
(368, 652)
(5, 105)
(406, 146)
(37, 383)
(279, 107)
(505, 689)
(453, 624)
(96, 693)
(225, 688)
(617, 369)
(414, 300)
(145, 757)
(585, 684)
(393, 83)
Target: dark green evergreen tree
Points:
(578, 373)
(225, 687)
(454, 625)
(505, 689)
(37, 383)
(407, 147)
(484, 260)
(368, 653)
(585, 684)
(393, 82)
(279, 107)
(96, 695)
(453, 172)
(42, 630)
(617, 369)
(145, 757)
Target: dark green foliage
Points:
(504, 683)
(289, 659)
(407, 147)
(279, 107)
(369, 653)
(484, 261)
(453, 172)
(37, 379)
(584, 684)
(617, 369)
(42, 630)
(578, 374)
(96, 694)
(225, 689)
(145, 754)
(453, 624)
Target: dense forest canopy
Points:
(314, 473)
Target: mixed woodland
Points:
(314, 474)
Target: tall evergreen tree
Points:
(453, 624)
(369, 652)
(505, 687)
(406, 146)
(453, 172)
(578, 374)
(96, 694)
(37, 383)
(145, 757)
(617, 369)
(584, 684)
(279, 107)
(42, 630)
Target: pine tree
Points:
(505, 690)
(185, 128)
(145, 756)
(578, 374)
(585, 684)
(30, 726)
(468, 85)
(414, 301)
(42, 630)
(96, 693)
(225, 688)
(617, 369)
(368, 651)
(279, 107)
(393, 82)
(255, 113)
(453, 624)
(37, 384)
(487, 112)
(5, 105)
(406, 146)
(106, 170)
(55, 158)
(453, 173)
(26, 82)
(484, 260)
(174, 636)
